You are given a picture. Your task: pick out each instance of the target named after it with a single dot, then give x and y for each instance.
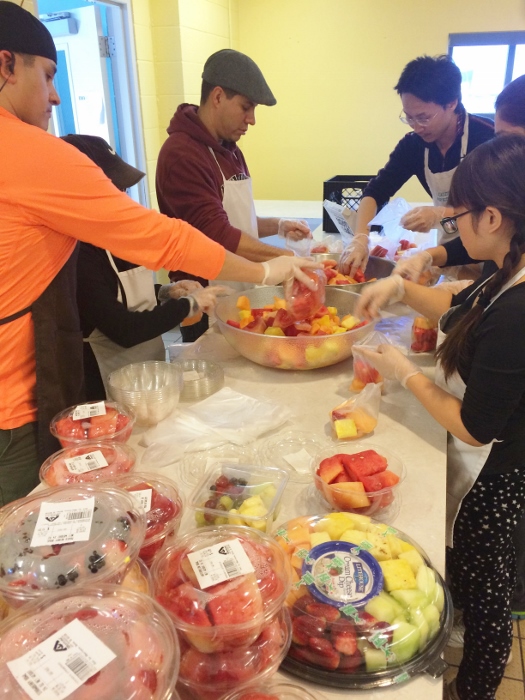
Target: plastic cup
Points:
(59, 470)
(115, 424)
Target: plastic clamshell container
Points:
(381, 503)
(150, 389)
(232, 612)
(195, 464)
(273, 691)
(200, 378)
(56, 472)
(165, 509)
(132, 626)
(295, 445)
(115, 424)
(368, 610)
(114, 537)
(138, 579)
(210, 676)
(239, 495)
(301, 352)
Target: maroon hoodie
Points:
(189, 182)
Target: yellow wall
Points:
(332, 65)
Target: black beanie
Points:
(21, 32)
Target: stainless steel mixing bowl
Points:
(376, 269)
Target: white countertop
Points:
(404, 427)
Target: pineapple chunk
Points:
(380, 549)
(361, 522)
(319, 538)
(335, 524)
(414, 558)
(398, 575)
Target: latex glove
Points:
(378, 295)
(176, 290)
(412, 266)
(206, 297)
(355, 255)
(391, 363)
(295, 229)
(422, 218)
(454, 286)
(285, 267)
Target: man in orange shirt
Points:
(51, 195)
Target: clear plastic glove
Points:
(176, 290)
(411, 267)
(391, 363)
(378, 295)
(295, 229)
(355, 255)
(285, 267)
(206, 297)
(422, 218)
(454, 286)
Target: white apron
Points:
(439, 183)
(140, 296)
(464, 462)
(237, 202)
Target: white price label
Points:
(62, 663)
(86, 463)
(88, 410)
(62, 523)
(191, 375)
(300, 461)
(220, 562)
(143, 498)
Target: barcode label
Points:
(143, 498)
(86, 463)
(62, 523)
(88, 410)
(60, 664)
(220, 562)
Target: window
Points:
(488, 61)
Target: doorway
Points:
(96, 78)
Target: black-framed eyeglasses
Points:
(449, 224)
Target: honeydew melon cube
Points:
(381, 609)
(439, 597)
(414, 558)
(397, 575)
(375, 660)
(405, 642)
(425, 581)
(319, 538)
(418, 619)
(412, 598)
(334, 524)
(432, 616)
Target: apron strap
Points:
(13, 317)
(119, 282)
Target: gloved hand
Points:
(355, 255)
(454, 286)
(391, 363)
(285, 267)
(422, 218)
(295, 229)
(378, 295)
(206, 297)
(412, 266)
(176, 290)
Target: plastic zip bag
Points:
(357, 416)
(364, 373)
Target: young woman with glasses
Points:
(442, 134)
(479, 397)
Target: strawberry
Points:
(305, 627)
(327, 612)
(311, 657)
(321, 646)
(350, 663)
(149, 679)
(344, 637)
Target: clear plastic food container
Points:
(194, 464)
(239, 495)
(97, 460)
(138, 579)
(163, 504)
(221, 586)
(93, 420)
(61, 538)
(359, 479)
(291, 450)
(210, 676)
(368, 609)
(200, 378)
(114, 644)
(274, 691)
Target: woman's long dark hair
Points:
(493, 174)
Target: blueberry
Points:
(242, 482)
(61, 580)
(213, 487)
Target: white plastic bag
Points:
(365, 373)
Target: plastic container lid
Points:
(209, 676)
(162, 504)
(221, 585)
(239, 495)
(96, 460)
(140, 654)
(64, 537)
(292, 451)
(274, 691)
(368, 610)
(200, 378)
(138, 579)
(93, 420)
(194, 464)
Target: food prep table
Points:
(404, 427)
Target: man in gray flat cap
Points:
(202, 176)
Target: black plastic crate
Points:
(343, 189)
